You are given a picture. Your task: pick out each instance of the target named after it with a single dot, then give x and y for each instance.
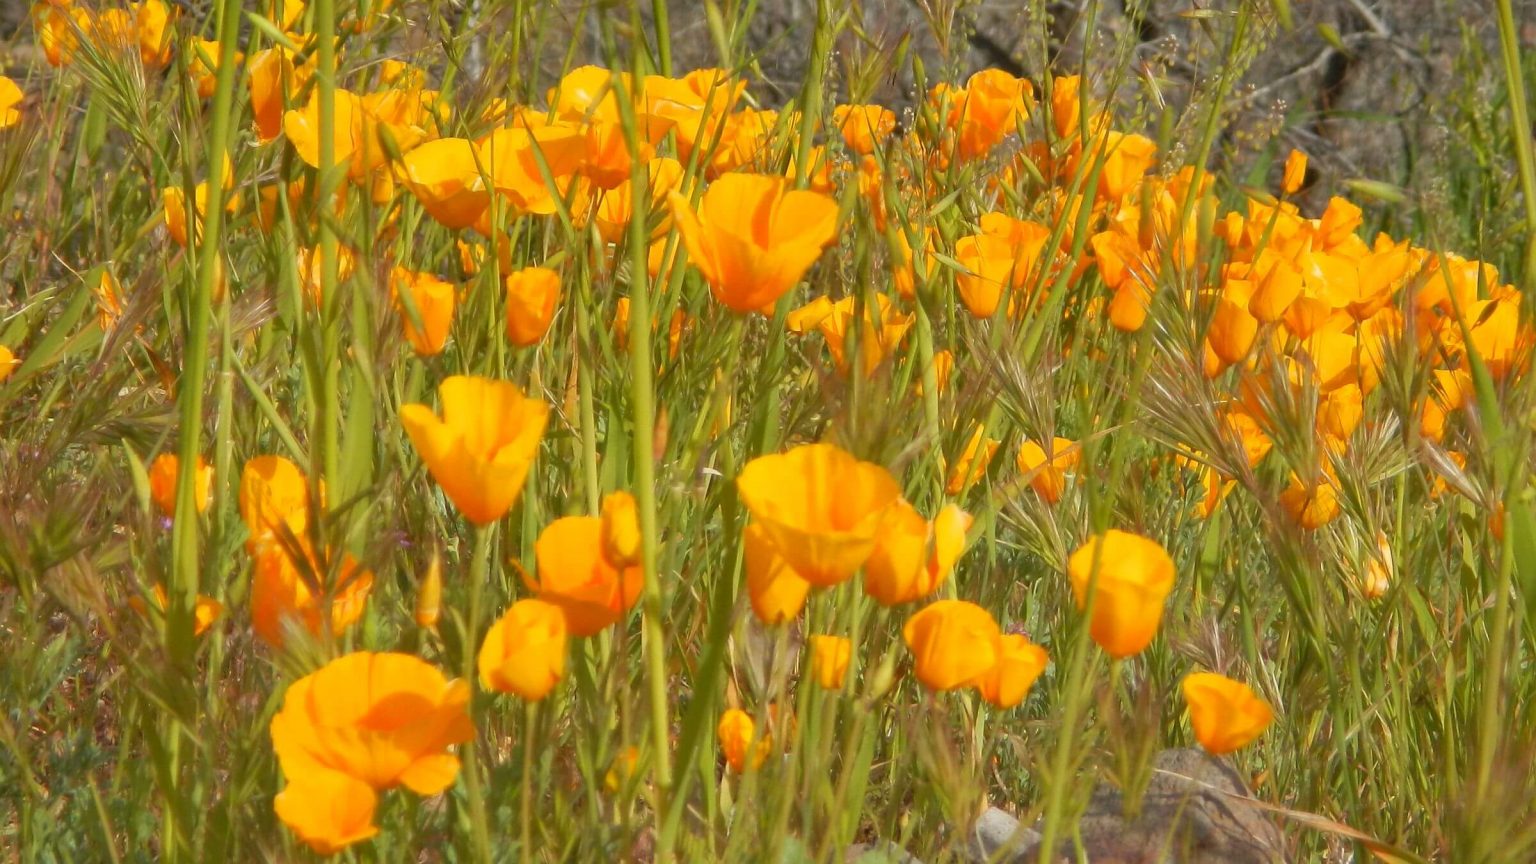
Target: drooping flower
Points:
(754, 237)
(532, 294)
(953, 642)
(913, 556)
(425, 304)
(1132, 576)
(820, 506)
(384, 719)
(830, 656)
(1226, 714)
(776, 591)
(574, 574)
(480, 449)
(737, 734)
(524, 651)
(1019, 663)
(163, 472)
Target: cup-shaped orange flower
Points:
(1134, 576)
(973, 461)
(163, 472)
(777, 592)
(425, 304)
(953, 643)
(532, 295)
(576, 576)
(328, 810)
(284, 595)
(829, 660)
(1047, 472)
(820, 506)
(754, 236)
(480, 449)
(273, 493)
(864, 127)
(10, 97)
(1226, 714)
(914, 556)
(385, 719)
(1019, 663)
(524, 651)
(737, 734)
(445, 176)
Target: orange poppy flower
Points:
(1226, 714)
(384, 719)
(283, 597)
(738, 739)
(776, 591)
(1019, 664)
(516, 158)
(480, 449)
(532, 294)
(574, 575)
(864, 127)
(429, 315)
(205, 610)
(820, 506)
(1047, 472)
(445, 176)
(913, 556)
(162, 483)
(953, 643)
(8, 362)
(1134, 577)
(621, 529)
(754, 237)
(10, 97)
(524, 651)
(273, 492)
(973, 462)
(328, 810)
(1311, 504)
(830, 656)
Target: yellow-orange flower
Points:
(8, 362)
(953, 642)
(10, 97)
(162, 483)
(973, 462)
(1313, 503)
(820, 506)
(737, 733)
(574, 575)
(1134, 577)
(880, 332)
(532, 294)
(830, 656)
(328, 810)
(205, 610)
(385, 719)
(621, 529)
(273, 492)
(754, 237)
(1019, 663)
(203, 64)
(429, 315)
(283, 594)
(864, 127)
(1047, 472)
(445, 177)
(913, 556)
(480, 449)
(524, 651)
(1295, 172)
(777, 592)
(1226, 714)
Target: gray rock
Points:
(998, 832)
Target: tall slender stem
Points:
(327, 399)
(479, 571)
(1520, 131)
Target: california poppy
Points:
(163, 478)
(754, 237)
(574, 574)
(972, 463)
(737, 733)
(532, 294)
(621, 529)
(1226, 714)
(1047, 472)
(524, 651)
(1018, 664)
(10, 97)
(480, 449)
(273, 493)
(776, 591)
(953, 642)
(1132, 576)
(913, 556)
(283, 595)
(429, 316)
(829, 660)
(328, 810)
(820, 506)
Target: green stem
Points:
(185, 569)
(327, 400)
(531, 718)
(1520, 126)
(478, 572)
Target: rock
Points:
(1188, 816)
(995, 831)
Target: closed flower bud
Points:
(429, 594)
(736, 732)
(1131, 577)
(532, 294)
(163, 476)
